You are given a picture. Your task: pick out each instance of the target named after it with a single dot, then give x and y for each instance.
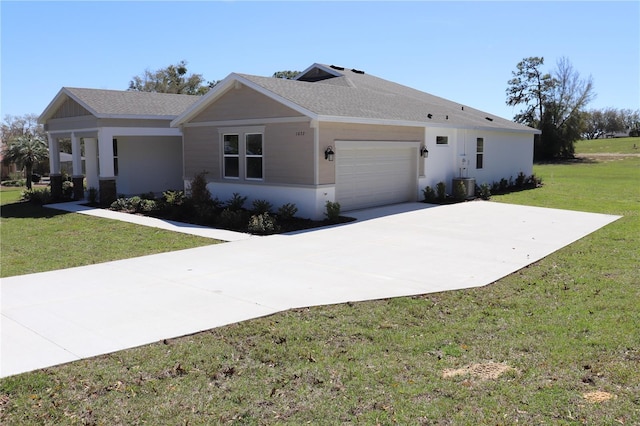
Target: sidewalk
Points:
(169, 225)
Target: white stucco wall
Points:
(149, 163)
(505, 155)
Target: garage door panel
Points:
(372, 176)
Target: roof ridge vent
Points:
(335, 67)
(488, 118)
(357, 71)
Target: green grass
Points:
(38, 239)
(566, 325)
(612, 145)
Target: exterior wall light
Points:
(328, 153)
(424, 152)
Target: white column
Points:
(91, 162)
(76, 155)
(54, 155)
(105, 150)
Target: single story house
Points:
(330, 134)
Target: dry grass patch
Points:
(485, 371)
(598, 396)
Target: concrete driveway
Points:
(61, 316)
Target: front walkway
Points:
(61, 316)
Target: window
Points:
(231, 156)
(479, 153)
(442, 140)
(115, 157)
(242, 152)
(253, 158)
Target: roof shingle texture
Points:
(130, 103)
(356, 95)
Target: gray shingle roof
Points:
(105, 103)
(363, 96)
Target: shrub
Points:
(36, 196)
(236, 202)
(441, 189)
(232, 219)
(67, 189)
(460, 191)
(261, 206)
(262, 224)
(287, 211)
(133, 205)
(520, 180)
(333, 211)
(198, 189)
(485, 191)
(174, 198)
(503, 185)
(148, 196)
(429, 194)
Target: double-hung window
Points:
(231, 156)
(479, 153)
(242, 151)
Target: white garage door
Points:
(375, 174)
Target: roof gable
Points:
(116, 104)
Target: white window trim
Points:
(480, 153)
(241, 131)
(225, 156)
(246, 156)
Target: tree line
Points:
(555, 102)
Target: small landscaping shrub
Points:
(173, 198)
(262, 224)
(261, 206)
(232, 219)
(460, 191)
(503, 185)
(520, 180)
(485, 191)
(198, 189)
(333, 211)
(287, 211)
(36, 196)
(429, 194)
(236, 202)
(441, 189)
(133, 205)
(67, 189)
(148, 196)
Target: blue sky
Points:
(462, 51)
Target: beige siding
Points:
(70, 108)
(288, 154)
(72, 123)
(128, 122)
(201, 152)
(243, 103)
(330, 132)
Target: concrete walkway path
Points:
(61, 316)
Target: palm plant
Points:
(26, 151)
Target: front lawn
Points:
(554, 343)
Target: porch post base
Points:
(56, 186)
(108, 192)
(78, 187)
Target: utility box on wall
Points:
(469, 186)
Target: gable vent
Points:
(335, 67)
(357, 71)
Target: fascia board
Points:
(406, 123)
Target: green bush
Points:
(236, 202)
(134, 205)
(198, 189)
(485, 191)
(287, 211)
(441, 190)
(261, 206)
(429, 194)
(36, 196)
(233, 219)
(460, 191)
(332, 211)
(67, 189)
(503, 185)
(174, 198)
(148, 196)
(520, 180)
(262, 224)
